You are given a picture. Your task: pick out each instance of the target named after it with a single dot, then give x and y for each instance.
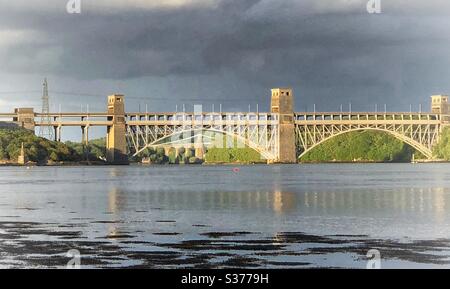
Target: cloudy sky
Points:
(168, 52)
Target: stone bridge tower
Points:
(24, 118)
(440, 104)
(116, 144)
(283, 104)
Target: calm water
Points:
(221, 217)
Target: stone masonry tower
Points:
(116, 146)
(283, 104)
(439, 104)
(24, 118)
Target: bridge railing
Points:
(216, 118)
(366, 116)
(200, 119)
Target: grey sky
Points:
(169, 52)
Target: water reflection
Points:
(116, 207)
(284, 202)
(113, 209)
(271, 194)
(402, 201)
(113, 202)
(439, 204)
(175, 204)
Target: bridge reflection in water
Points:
(371, 202)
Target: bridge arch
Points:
(265, 153)
(415, 144)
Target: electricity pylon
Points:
(45, 130)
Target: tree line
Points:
(363, 146)
(37, 149)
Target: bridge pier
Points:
(282, 103)
(116, 145)
(166, 150)
(199, 152)
(85, 135)
(85, 141)
(57, 133)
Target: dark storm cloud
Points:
(332, 52)
(124, 44)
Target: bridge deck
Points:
(238, 118)
(365, 122)
(74, 123)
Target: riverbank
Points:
(54, 164)
(375, 162)
(102, 163)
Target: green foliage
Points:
(185, 154)
(173, 156)
(442, 149)
(160, 151)
(373, 146)
(157, 156)
(147, 152)
(36, 149)
(96, 149)
(232, 155)
(181, 156)
(53, 156)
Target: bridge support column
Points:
(199, 152)
(166, 150)
(85, 141)
(283, 104)
(85, 135)
(116, 145)
(57, 133)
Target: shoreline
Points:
(95, 164)
(59, 164)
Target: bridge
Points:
(280, 135)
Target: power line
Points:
(20, 91)
(76, 93)
(149, 98)
(141, 98)
(58, 92)
(192, 99)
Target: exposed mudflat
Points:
(45, 245)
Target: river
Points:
(261, 216)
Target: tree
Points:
(54, 156)
(173, 157)
(230, 155)
(36, 149)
